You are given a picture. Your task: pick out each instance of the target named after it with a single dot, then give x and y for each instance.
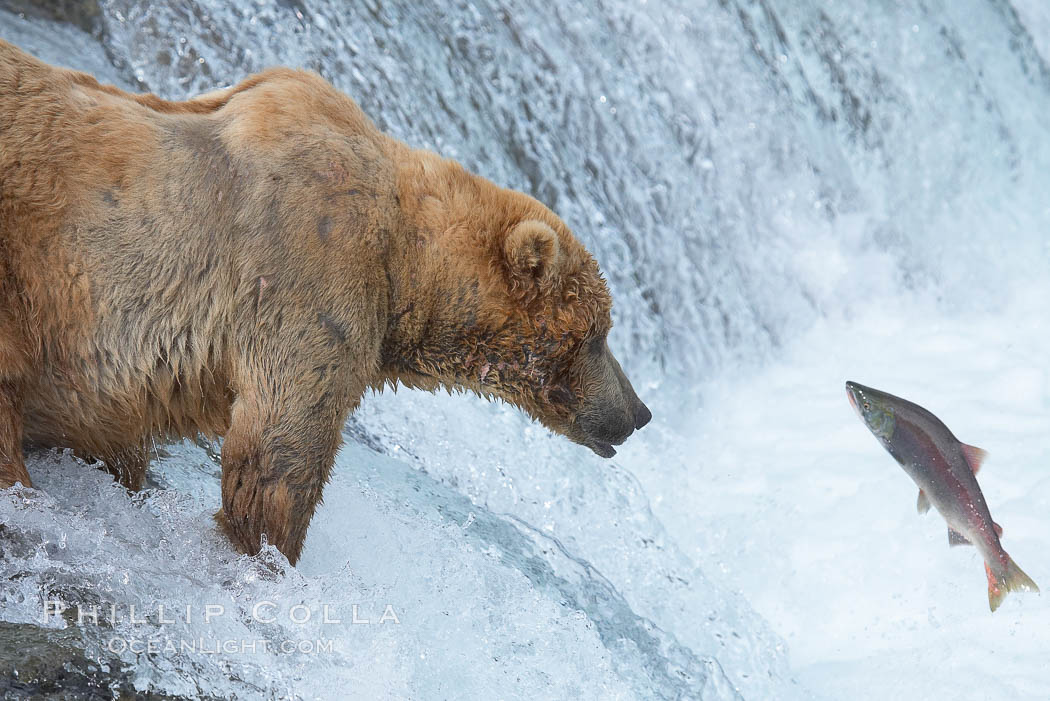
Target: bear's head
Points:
(499, 298)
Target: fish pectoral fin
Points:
(974, 455)
(957, 538)
(923, 504)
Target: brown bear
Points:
(246, 264)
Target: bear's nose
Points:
(642, 415)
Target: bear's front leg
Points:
(276, 459)
(12, 463)
(128, 466)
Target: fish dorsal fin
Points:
(923, 504)
(957, 538)
(974, 455)
(998, 529)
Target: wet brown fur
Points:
(246, 264)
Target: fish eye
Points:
(866, 405)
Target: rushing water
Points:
(740, 169)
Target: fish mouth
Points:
(851, 393)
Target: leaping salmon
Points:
(945, 470)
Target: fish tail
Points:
(1013, 579)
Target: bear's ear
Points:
(532, 252)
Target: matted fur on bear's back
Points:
(138, 237)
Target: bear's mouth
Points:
(594, 440)
(599, 441)
(602, 449)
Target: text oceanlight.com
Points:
(212, 646)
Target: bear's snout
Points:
(613, 411)
(605, 427)
(611, 426)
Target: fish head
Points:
(874, 409)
